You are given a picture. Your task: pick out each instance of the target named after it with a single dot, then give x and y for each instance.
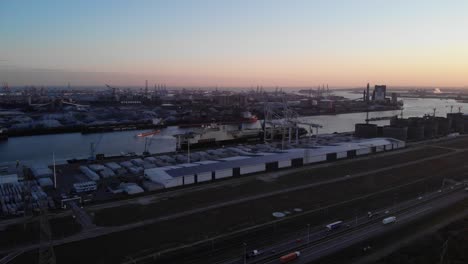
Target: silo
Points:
(430, 127)
(465, 123)
(456, 122)
(365, 130)
(416, 132)
(417, 128)
(443, 126)
(400, 122)
(379, 131)
(396, 132)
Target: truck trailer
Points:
(334, 225)
(388, 220)
(290, 257)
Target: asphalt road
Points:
(319, 243)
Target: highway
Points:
(320, 242)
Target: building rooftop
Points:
(240, 161)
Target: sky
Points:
(240, 43)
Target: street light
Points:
(245, 253)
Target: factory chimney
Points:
(367, 94)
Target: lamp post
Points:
(245, 253)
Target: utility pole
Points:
(55, 174)
(188, 150)
(355, 215)
(308, 233)
(245, 253)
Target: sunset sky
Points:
(234, 43)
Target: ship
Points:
(146, 134)
(3, 133)
(245, 118)
(217, 135)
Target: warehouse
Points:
(184, 174)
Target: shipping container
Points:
(290, 257)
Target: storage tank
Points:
(365, 130)
(416, 133)
(456, 122)
(400, 133)
(430, 127)
(443, 126)
(465, 123)
(415, 128)
(401, 122)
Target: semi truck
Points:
(334, 225)
(253, 253)
(290, 257)
(388, 220)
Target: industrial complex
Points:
(222, 192)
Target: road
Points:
(319, 243)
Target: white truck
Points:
(389, 220)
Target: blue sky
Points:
(234, 43)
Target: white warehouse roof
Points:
(289, 154)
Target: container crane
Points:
(94, 146)
(148, 142)
(286, 119)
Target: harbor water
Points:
(32, 149)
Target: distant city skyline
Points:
(237, 44)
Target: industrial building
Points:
(415, 128)
(249, 163)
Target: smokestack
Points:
(368, 90)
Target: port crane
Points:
(113, 89)
(148, 142)
(286, 119)
(93, 146)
